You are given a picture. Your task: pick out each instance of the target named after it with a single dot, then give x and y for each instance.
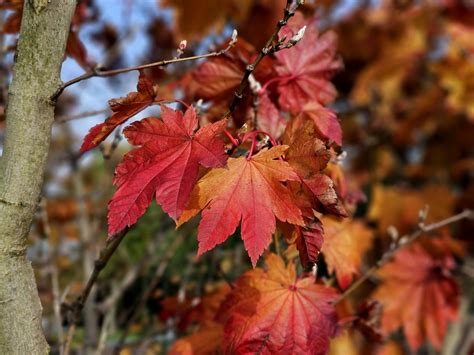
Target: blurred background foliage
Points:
(406, 104)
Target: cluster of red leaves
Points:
(271, 165)
(284, 180)
(268, 311)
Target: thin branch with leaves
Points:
(400, 242)
(269, 48)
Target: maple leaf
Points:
(248, 191)
(419, 273)
(166, 165)
(380, 83)
(308, 156)
(274, 312)
(306, 68)
(217, 79)
(309, 240)
(345, 242)
(13, 21)
(325, 121)
(344, 343)
(269, 118)
(220, 77)
(122, 108)
(200, 310)
(206, 16)
(206, 340)
(456, 71)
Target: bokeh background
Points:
(406, 105)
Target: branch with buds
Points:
(269, 48)
(290, 43)
(98, 71)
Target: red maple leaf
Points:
(122, 108)
(274, 312)
(305, 70)
(218, 78)
(166, 165)
(248, 190)
(325, 120)
(269, 119)
(308, 156)
(419, 274)
(309, 240)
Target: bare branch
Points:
(67, 118)
(101, 73)
(74, 310)
(160, 270)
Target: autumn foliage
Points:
(269, 166)
(331, 160)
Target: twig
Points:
(75, 309)
(269, 48)
(108, 151)
(106, 325)
(89, 251)
(402, 242)
(56, 302)
(131, 276)
(53, 272)
(67, 118)
(99, 72)
(160, 270)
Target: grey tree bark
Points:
(30, 115)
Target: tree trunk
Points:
(30, 115)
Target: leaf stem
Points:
(235, 142)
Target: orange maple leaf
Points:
(274, 312)
(199, 310)
(206, 340)
(403, 210)
(248, 191)
(308, 156)
(345, 242)
(418, 293)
